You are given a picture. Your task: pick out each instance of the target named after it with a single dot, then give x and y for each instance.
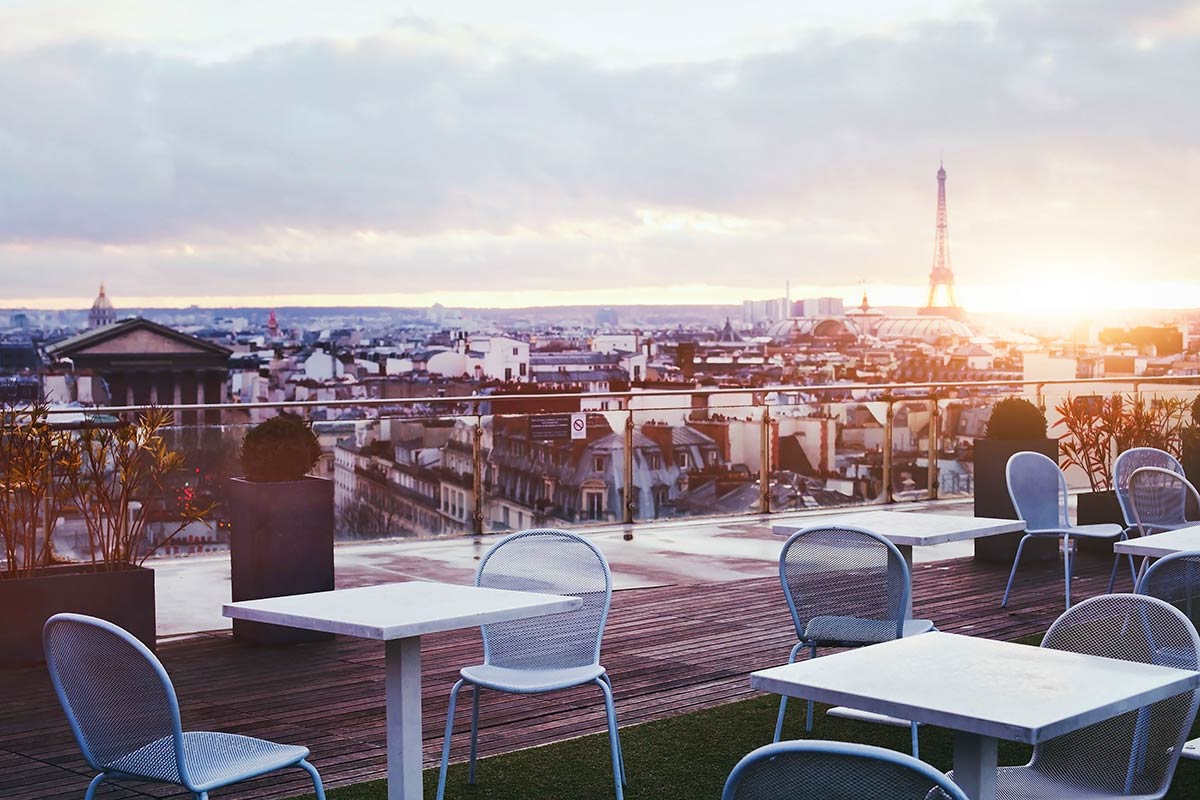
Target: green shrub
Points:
(281, 449)
(1016, 418)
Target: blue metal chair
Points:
(545, 653)
(814, 768)
(1038, 490)
(1129, 462)
(1130, 755)
(1159, 500)
(845, 587)
(1175, 579)
(123, 711)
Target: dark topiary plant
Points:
(1015, 418)
(281, 449)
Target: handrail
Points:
(1137, 381)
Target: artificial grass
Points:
(687, 757)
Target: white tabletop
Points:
(1162, 544)
(399, 610)
(980, 686)
(912, 528)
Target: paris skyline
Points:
(475, 156)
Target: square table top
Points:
(982, 686)
(1162, 544)
(399, 610)
(914, 528)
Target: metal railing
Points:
(633, 418)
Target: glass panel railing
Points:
(911, 427)
(826, 455)
(701, 460)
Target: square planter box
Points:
(124, 597)
(992, 500)
(281, 543)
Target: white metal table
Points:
(907, 529)
(984, 690)
(399, 614)
(1157, 545)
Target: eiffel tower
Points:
(942, 303)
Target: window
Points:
(507, 520)
(594, 505)
(522, 369)
(661, 496)
(598, 463)
(507, 374)
(655, 461)
(683, 461)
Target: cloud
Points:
(429, 151)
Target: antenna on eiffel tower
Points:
(941, 277)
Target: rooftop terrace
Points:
(697, 608)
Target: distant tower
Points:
(941, 275)
(102, 312)
(272, 325)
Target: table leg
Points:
(402, 680)
(975, 765)
(906, 551)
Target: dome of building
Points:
(824, 327)
(924, 329)
(102, 312)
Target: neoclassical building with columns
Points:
(144, 363)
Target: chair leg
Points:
(93, 786)
(474, 734)
(614, 739)
(783, 698)
(1067, 568)
(441, 787)
(620, 751)
(1013, 573)
(318, 787)
(808, 721)
(916, 747)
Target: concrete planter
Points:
(281, 543)
(1095, 508)
(992, 500)
(123, 596)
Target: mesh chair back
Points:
(835, 771)
(1132, 460)
(1175, 579)
(1136, 752)
(116, 694)
(1038, 490)
(845, 572)
(1159, 498)
(553, 562)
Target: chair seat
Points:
(1103, 530)
(836, 631)
(843, 712)
(212, 759)
(1026, 783)
(521, 681)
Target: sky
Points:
(534, 152)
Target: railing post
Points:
(1041, 397)
(935, 416)
(764, 474)
(629, 509)
(477, 473)
(887, 452)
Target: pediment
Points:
(143, 342)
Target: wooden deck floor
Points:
(669, 650)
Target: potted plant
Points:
(281, 540)
(1101, 428)
(1190, 450)
(1016, 425)
(114, 477)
